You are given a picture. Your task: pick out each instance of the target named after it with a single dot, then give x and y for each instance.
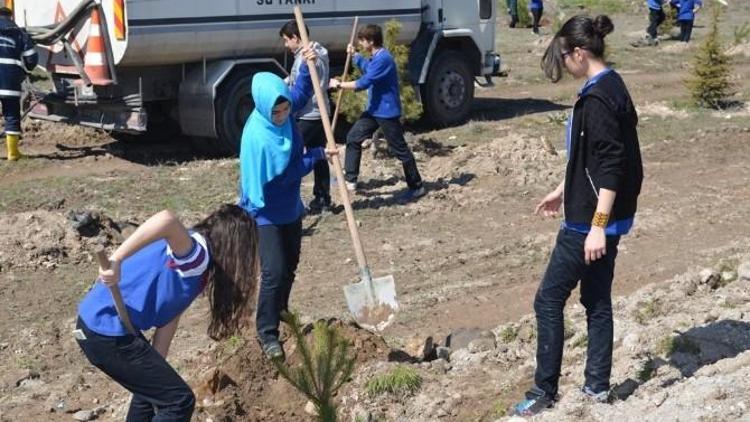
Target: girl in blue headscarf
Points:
(272, 164)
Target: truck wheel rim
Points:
(452, 90)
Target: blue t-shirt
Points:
(380, 79)
(654, 4)
(535, 4)
(614, 228)
(156, 287)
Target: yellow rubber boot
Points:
(11, 142)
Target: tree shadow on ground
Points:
(496, 109)
(690, 351)
(367, 200)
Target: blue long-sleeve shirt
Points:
(535, 4)
(686, 9)
(654, 4)
(380, 79)
(283, 203)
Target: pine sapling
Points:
(709, 83)
(326, 365)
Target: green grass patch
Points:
(400, 381)
(647, 310)
(508, 334)
(580, 341)
(670, 345)
(646, 372)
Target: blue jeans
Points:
(159, 393)
(12, 114)
(565, 269)
(279, 255)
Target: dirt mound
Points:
(38, 131)
(44, 239)
(662, 110)
(245, 386)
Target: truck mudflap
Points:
(106, 117)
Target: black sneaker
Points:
(273, 350)
(411, 195)
(319, 205)
(532, 406)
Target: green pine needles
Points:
(326, 365)
(709, 83)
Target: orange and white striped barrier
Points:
(95, 61)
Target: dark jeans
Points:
(566, 267)
(12, 114)
(655, 18)
(686, 30)
(536, 15)
(279, 256)
(159, 393)
(512, 6)
(314, 136)
(394, 135)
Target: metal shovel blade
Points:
(372, 302)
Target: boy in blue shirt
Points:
(656, 17)
(686, 17)
(380, 79)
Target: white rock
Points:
(84, 415)
(743, 271)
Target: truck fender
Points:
(199, 89)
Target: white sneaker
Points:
(351, 186)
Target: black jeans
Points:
(686, 30)
(159, 393)
(655, 18)
(512, 11)
(566, 267)
(536, 15)
(279, 256)
(394, 134)
(314, 136)
(12, 114)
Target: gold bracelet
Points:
(600, 219)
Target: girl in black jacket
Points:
(602, 182)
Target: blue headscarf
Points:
(266, 147)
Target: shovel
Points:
(372, 301)
(344, 75)
(122, 311)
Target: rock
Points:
(710, 277)
(310, 409)
(31, 383)
(483, 344)
(743, 271)
(631, 341)
(421, 348)
(443, 353)
(84, 415)
(461, 338)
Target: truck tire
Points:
(233, 105)
(449, 90)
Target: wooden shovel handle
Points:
(345, 74)
(122, 311)
(331, 144)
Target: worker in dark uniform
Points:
(17, 56)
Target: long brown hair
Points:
(232, 276)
